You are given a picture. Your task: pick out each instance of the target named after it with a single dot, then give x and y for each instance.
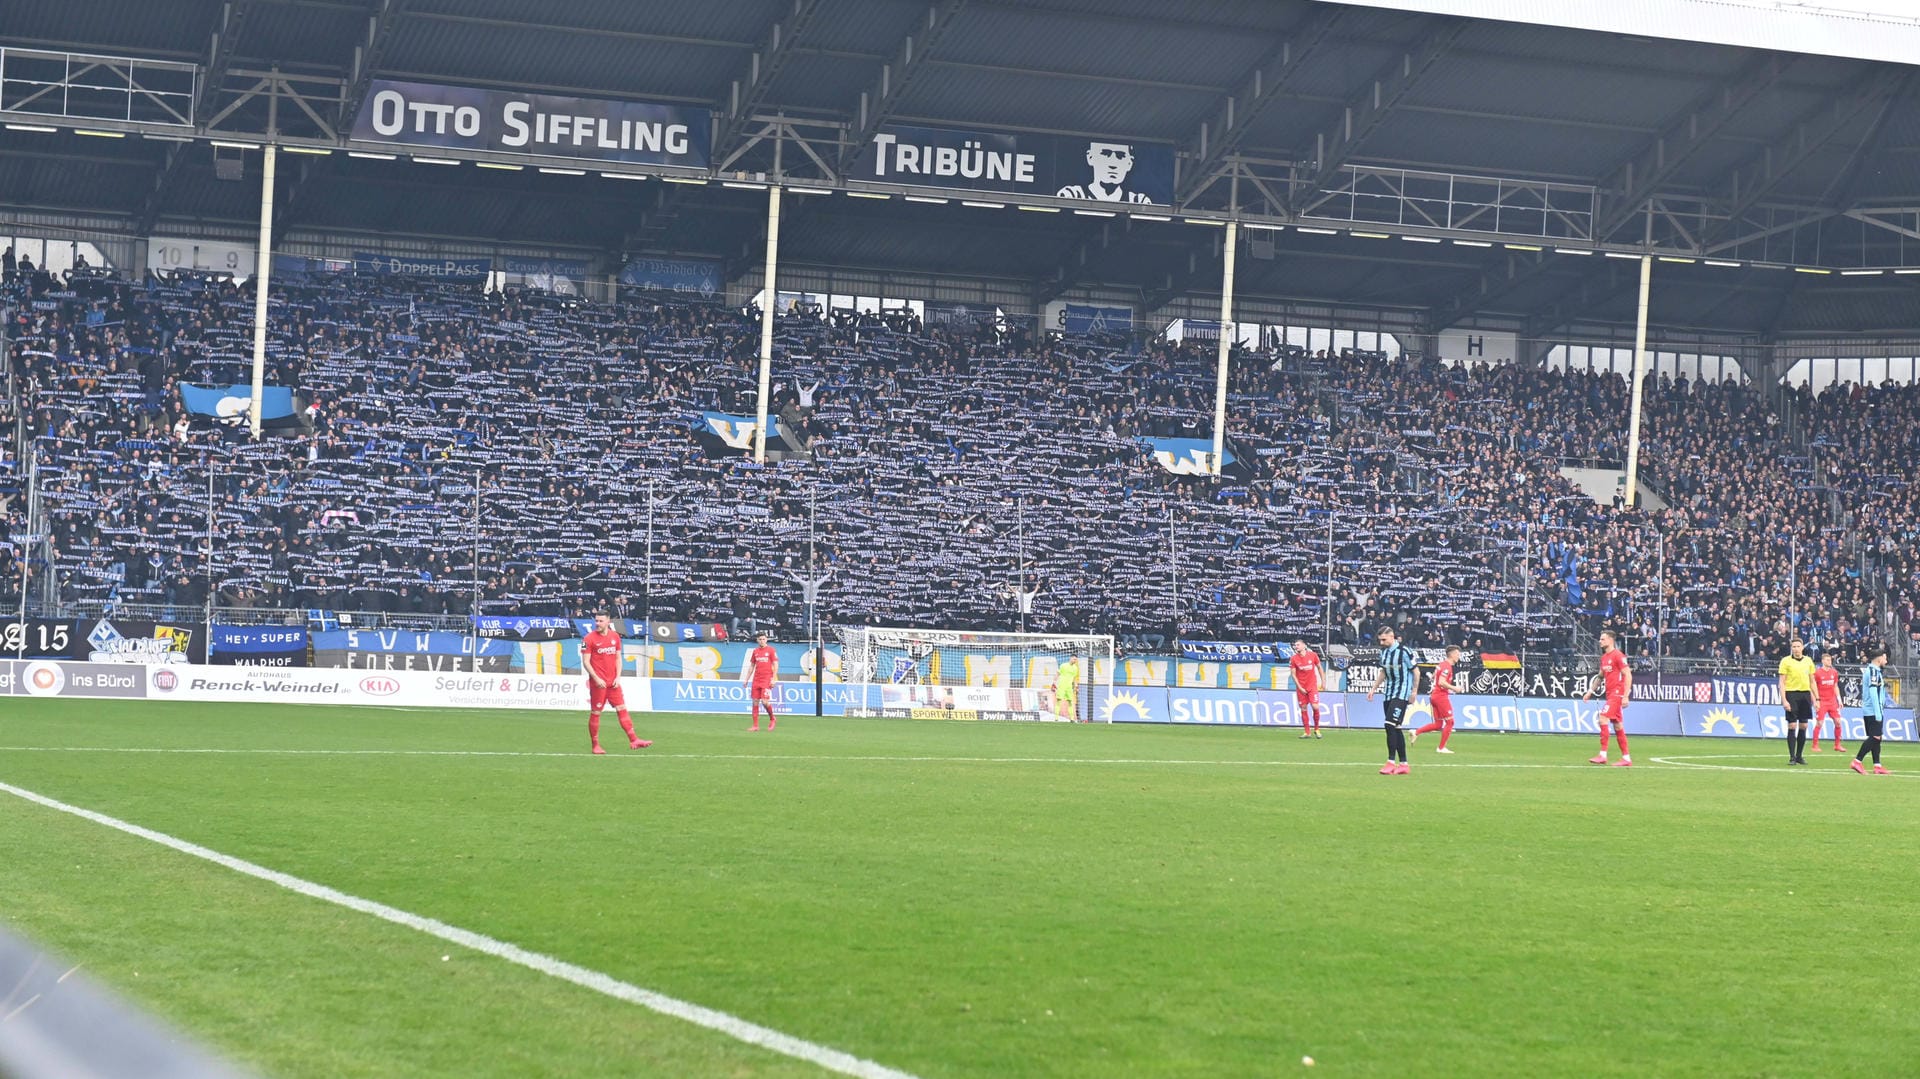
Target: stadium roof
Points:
(1346, 117)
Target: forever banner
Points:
(585, 128)
(1100, 170)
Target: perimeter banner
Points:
(408, 688)
(54, 678)
(585, 128)
(1055, 166)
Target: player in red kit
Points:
(600, 655)
(763, 666)
(1306, 688)
(1826, 700)
(1618, 678)
(1442, 700)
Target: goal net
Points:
(926, 673)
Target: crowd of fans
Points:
(454, 451)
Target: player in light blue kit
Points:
(1873, 708)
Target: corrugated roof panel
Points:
(601, 63)
(1236, 15)
(812, 81)
(743, 22)
(306, 35)
(179, 30)
(1186, 53)
(875, 29)
(1581, 48)
(1473, 146)
(954, 95)
(1639, 98)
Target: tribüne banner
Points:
(1097, 169)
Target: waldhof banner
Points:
(584, 128)
(961, 316)
(1055, 166)
(686, 277)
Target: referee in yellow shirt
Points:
(1796, 691)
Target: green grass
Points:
(1048, 916)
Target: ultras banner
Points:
(587, 128)
(1055, 166)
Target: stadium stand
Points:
(931, 461)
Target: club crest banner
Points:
(232, 403)
(735, 432)
(1185, 456)
(1081, 319)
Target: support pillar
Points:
(1639, 383)
(1226, 349)
(766, 321)
(261, 272)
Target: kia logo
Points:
(379, 686)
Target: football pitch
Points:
(963, 899)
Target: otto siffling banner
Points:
(1099, 170)
(586, 128)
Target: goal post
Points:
(931, 674)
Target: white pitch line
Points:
(1687, 762)
(730, 1025)
(820, 757)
